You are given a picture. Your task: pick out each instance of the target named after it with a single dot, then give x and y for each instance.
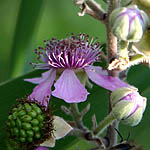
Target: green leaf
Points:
(27, 21)
(17, 88)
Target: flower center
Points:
(73, 52)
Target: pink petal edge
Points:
(101, 78)
(42, 91)
(69, 88)
(40, 79)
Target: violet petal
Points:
(40, 79)
(100, 77)
(42, 148)
(69, 88)
(42, 92)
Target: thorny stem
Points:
(111, 52)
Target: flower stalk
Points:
(77, 117)
(104, 124)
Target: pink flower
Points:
(67, 57)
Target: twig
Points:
(79, 130)
(91, 8)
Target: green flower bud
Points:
(143, 46)
(128, 105)
(128, 23)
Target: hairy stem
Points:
(91, 8)
(104, 124)
(97, 9)
(111, 53)
(77, 116)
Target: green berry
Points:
(22, 139)
(40, 118)
(30, 133)
(36, 108)
(35, 128)
(35, 122)
(18, 123)
(16, 131)
(26, 125)
(26, 118)
(28, 108)
(12, 123)
(14, 109)
(30, 139)
(21, 113)
(20, 107)
(32, 113)
(10, 117)
(22, 133)
(37, 135)
(14, 115)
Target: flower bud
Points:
(128, 23)
(143, 46)
(128, 105)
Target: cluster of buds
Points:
(128, 105)
(128, 23)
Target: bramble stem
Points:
(91, 8)
(104, 124)
(77, 116)
(111, 53)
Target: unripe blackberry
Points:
(29, 124)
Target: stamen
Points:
(73, 52)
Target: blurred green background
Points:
(23, 27)
(26, 23)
